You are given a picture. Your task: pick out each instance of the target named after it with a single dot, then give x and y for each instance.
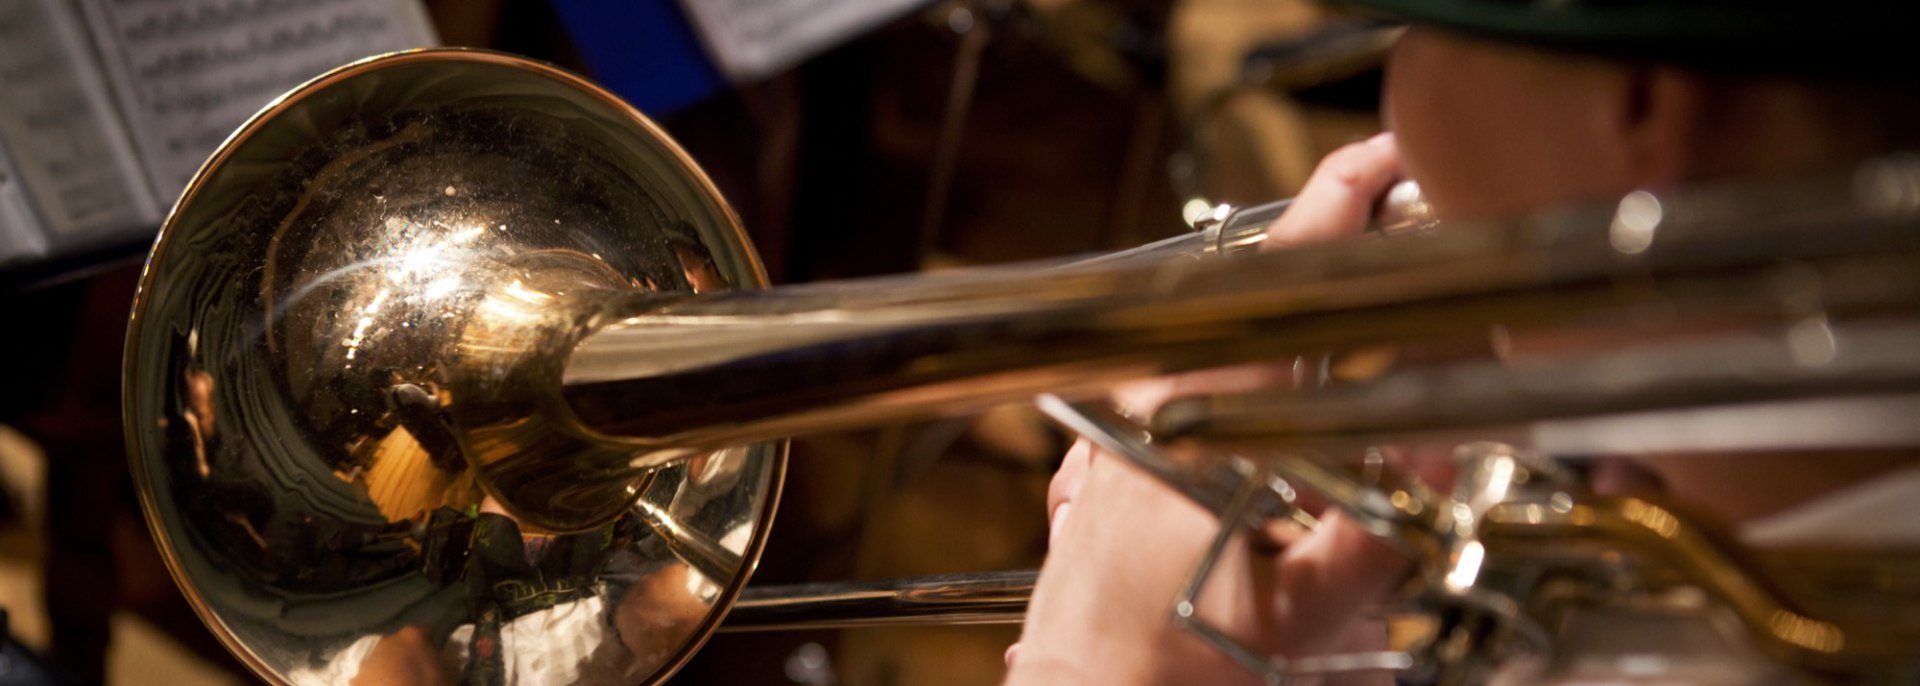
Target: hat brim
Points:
(1763, 34)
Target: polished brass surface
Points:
(330, 352)
(449, 357)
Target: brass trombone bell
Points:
(335, 363)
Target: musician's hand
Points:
(1339, 197)
(1102, 611)
(1337, 201)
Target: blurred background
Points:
(854, 139)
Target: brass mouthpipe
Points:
(708, 371)
(656, 378)
(798, 331)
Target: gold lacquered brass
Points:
(448, 360)
(334, 340)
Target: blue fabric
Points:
(644, 50)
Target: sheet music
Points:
(188, 72)
(21, 237)
(72, 174)
(754, 39)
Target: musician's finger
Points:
(1066, 481)
(1339, 197)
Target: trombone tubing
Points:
(707, 371)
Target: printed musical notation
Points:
(70, 173)
(111, 105)
(187, 72)
(20, 234)
(754, 39)
(177, 19)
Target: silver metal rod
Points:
(1241, 230)
(1211, 484)
(698, 550)
(1238, 231)
(979, 598)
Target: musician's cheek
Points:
(1420, 112)
(1461, 124)
(1491, 129)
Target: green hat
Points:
(1866, 37)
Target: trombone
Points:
(435, 309)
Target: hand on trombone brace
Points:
(1131, 540)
